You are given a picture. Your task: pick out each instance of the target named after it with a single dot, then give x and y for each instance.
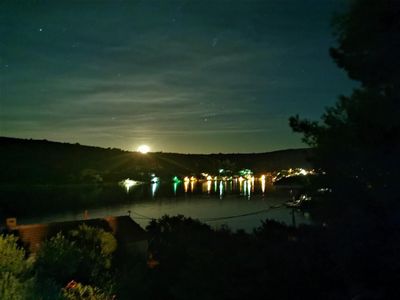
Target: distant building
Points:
(129, 235)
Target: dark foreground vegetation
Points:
(189, 260)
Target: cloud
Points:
(118, 70)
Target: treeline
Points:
(189, 260)
(45, 162)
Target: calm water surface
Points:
(239, 205)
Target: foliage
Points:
(94, 238)
(13, 266)
(11, 287)
(44, 289)
(84, 292)
(358, 140)
(369, 42)
(197, 262)
(12, 257)
(84, 254)
(57, 254)
(96, 248)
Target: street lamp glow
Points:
(143, 149)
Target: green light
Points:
(176, 179)
(245, 172)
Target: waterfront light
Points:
(176, 179)
(154, 179)
(128, 184)
(303, 172)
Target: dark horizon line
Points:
(156, 152)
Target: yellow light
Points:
(128, 184)
(143, 149)
(303, 172)
(263, 185)
(262, 177)
(186, 185)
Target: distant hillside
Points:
(44, 162)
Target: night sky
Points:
(180, 76)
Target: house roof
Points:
(123, 228)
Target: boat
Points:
(299, 202)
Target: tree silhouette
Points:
(358, 139)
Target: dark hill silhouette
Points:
(44, 162)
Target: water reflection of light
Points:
(175, 187)
(247, 188)
(192, 183)
(128, 184)
(206, 186)
(154, 187)
(186, 186)
(240, 185)
(263, 184)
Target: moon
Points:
(143, 149)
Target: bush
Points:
(12, 257)
(55, 255)
(78, 291)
